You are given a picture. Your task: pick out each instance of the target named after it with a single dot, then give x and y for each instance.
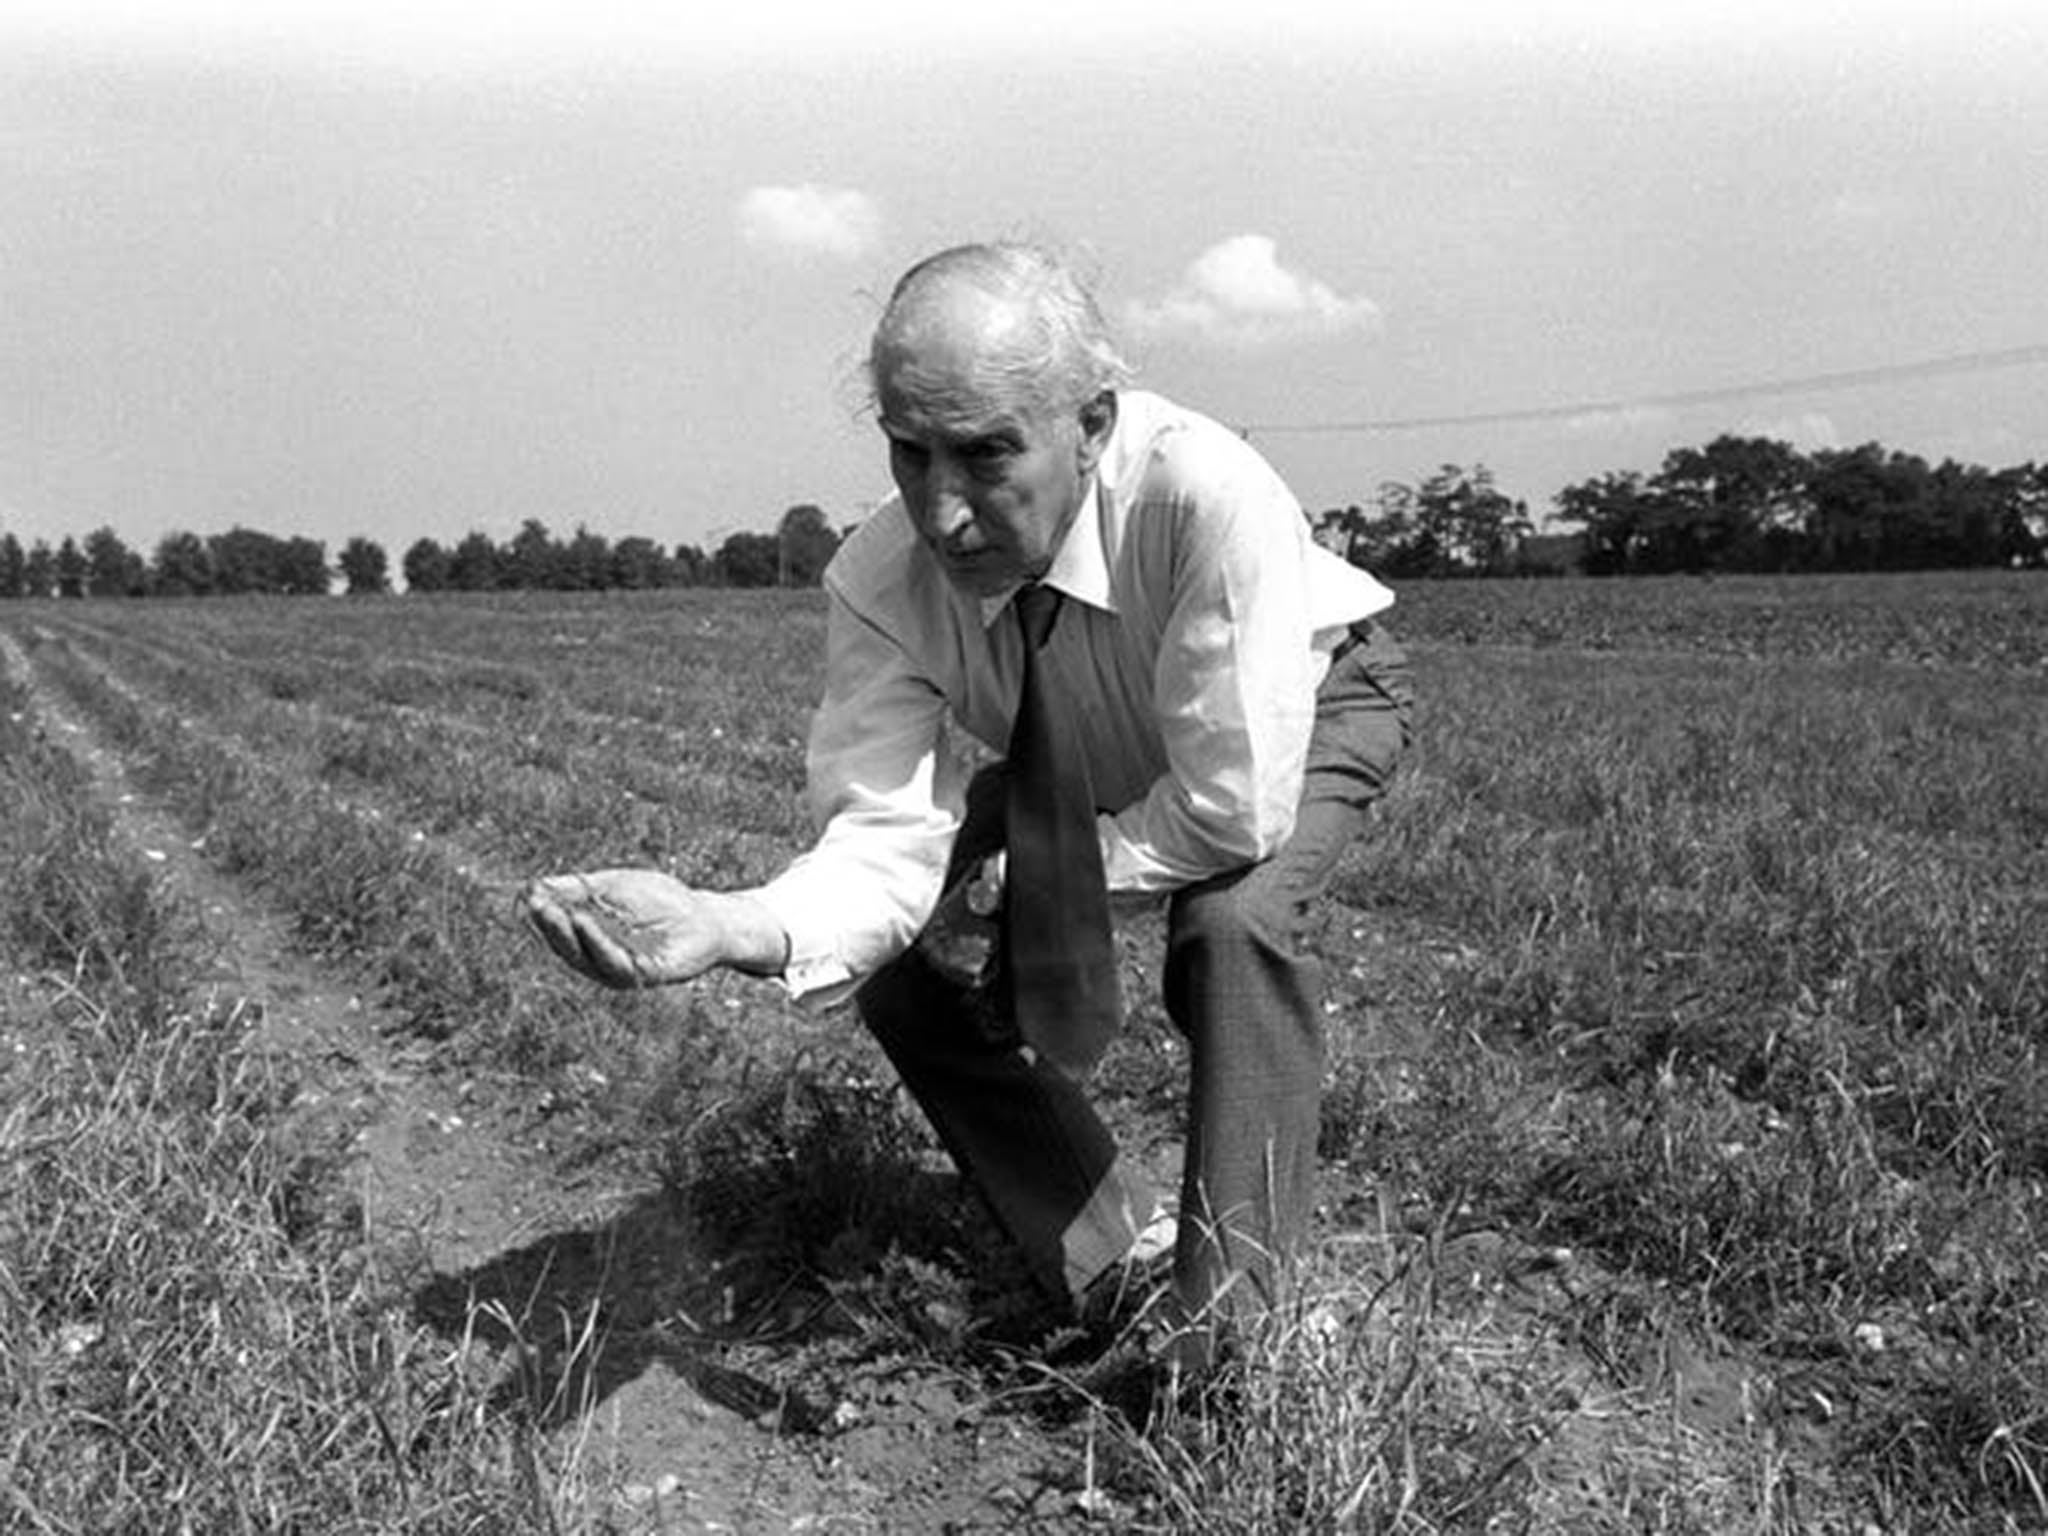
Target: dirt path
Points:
(424, 1148)
(459, 1175)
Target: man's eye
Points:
(909, 453)
(987, 460)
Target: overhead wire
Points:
(1963, 362)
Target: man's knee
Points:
(1251, 908)
(1237, 951)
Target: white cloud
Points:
(810, 220)
(1237, 293)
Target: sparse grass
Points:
(1686, 1156)
(178, 1352)
(1395, 1394)
(1750, 1001)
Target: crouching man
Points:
(1193, 704)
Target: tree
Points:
(532, 560)
(2027, 488)
(1738, 504)
(473, 567)
(638, 564)
(1980, 517)
(1853, 492)
(1468, 519)
(689, 566)
(181, 566)
(243, 561)
(364, 567)
(748, 560)
(1456, 523)
(1754, 504)
(1614, 510)
(111, 568)
(1382, 541)
(426, 566)
(71, 568)
(301, 568)
(39, 571)
(1393, 541)
(805, 544)
(586, 562)
(1338, 528)
(13, 567)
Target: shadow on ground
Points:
(758, 1297)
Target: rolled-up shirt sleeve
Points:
(887, 794)
(1234, 687)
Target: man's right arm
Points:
(888, 798)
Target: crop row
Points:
(1747, 994)
(540, 781)
(176, 1350)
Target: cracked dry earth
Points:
(468, 1177)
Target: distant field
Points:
(1995, 619)
(1697, 961)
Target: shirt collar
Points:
(1078, 567)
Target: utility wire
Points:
(1965, 362)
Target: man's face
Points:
(991, 497)
(990, 485)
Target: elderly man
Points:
(1212, 693)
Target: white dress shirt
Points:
(1200, 619)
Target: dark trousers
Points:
(1240, 984)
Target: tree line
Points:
(1748, 504)
(244, 560)
(184, 565)
(1736, 504)
(794, 555)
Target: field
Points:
(1685, 1137)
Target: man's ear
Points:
(1098, 420)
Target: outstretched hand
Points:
(641, 928)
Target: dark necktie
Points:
(1058, 945)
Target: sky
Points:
(403, 270)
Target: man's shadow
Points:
(794, 1220)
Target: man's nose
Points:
(947, 508)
